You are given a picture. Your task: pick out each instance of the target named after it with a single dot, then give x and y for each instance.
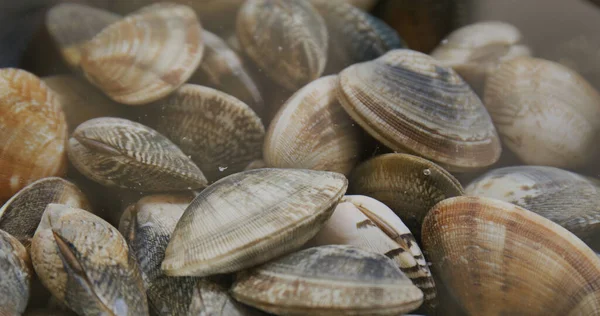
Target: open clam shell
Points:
(411, 103)
(15, 275)
(500, 259)
(251, 217)
(328, 280)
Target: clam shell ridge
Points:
(251, 217)
(409, 102)
(146, 55)
(15, 275)
(488, 251)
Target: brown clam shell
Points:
(15, 275)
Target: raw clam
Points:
(312, 131)
(328, 280)
(251, 217)
(500, 259)
(546, 113)
(33, 132)
(287, 39)
(146, 55)
(86, 264)
(564, 197)
(15, 275)
(410, 103)
(120, 153)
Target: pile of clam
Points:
(304, 162)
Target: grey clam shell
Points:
(15, 275)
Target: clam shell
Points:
(120, 153)
(146, 55)
(287, 39)
(86, 264)
(312, 131)
(33, 132)
(410, 103)
(563, 197)
(545, 113)
(251, 217)
(211, 298)
(328, 280)
(409, 185)
(15, 275)
(500, 259)
(21, 215)
(256, 164)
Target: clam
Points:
(86, 264)
(410, 103)
(500, 259)
(212, 298)
(328, 280)
(120, 153)
(146, 55)
(563, 197)
(354, 35)
(251, 217)
(545, 113)
(312, 131)
(221, 134)
(474, 51)
(15, 275)
(409, 185)
(21, 215)
(366, 223)
(287, 39)
(33, 132)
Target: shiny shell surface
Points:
(15, 275)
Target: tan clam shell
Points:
(86, 264)
(312, 131)
(328, 280)
(497, 258)
(21, 215)
(121, 153)
(146, 55)
(33, 132)
(15, 275)
(410, 103)
(287, 39)
(545, 113)
(262, 214)
(213, 299)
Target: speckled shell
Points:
(312, 131)
(497, 258)
(146, 55)
(120, 153)
(21, 215)
(410, 103)
(33, 132)
(545, 113)
(409, 185)
(566, 198)
(250, 218)
(476, 50)
(287, 39)
(328, 280)
(86, 264)
(15, 275)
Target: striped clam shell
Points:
(15, 275)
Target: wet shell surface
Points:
(120, 153)
(500, 259)
(409, 185)
(86, 264)
(287, 39)
(220, 133)
(33, 132)
(410, 103)
(564, 197)
(312, 131)
(545, 113)
(15, 275)
(328, 280)
(146, 55)
(250, 218)
(21, 215)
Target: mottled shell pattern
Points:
(15, 275)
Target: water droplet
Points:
(427, 172)
(222, 169)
